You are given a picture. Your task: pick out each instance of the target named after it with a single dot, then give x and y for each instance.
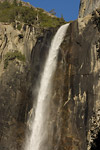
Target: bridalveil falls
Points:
(39, 127)
(49, 86)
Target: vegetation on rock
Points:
(16, 12)
(12, 56)
(12, 12)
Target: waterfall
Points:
(39, 133)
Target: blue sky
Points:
(68, 8)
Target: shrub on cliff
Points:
(11, 12)
(12, 56)
(16, 12)
(48, 21)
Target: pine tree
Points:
(15, 3)
(20, 3)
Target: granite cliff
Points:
(88, 6)
(75, 104)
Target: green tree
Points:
(5, 4)
(20, 3)
(15, 3)
(52, 11)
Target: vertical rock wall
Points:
(17, 79)
(77, 87)
(87, 7)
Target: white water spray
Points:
(40, 123)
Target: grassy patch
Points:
(12, 56)
(19, 26)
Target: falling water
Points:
(39, 126)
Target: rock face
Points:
(87, 7)
(17, 79)
(75, 104)
(14, 84)
(80, 78)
